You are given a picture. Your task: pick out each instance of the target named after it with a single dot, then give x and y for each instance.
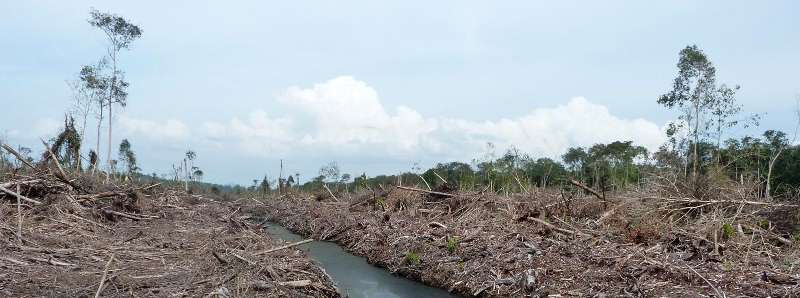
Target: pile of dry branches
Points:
(77, 237)
(574, 242)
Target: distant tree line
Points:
(697, 147)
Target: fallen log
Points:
(103, 278)
(427, 191)
(589, 189)
(129, 216)
(263, 285)
(17, 155)
(282, 247)
(551, 226)
(61, 175)
(330, 192)
(19, 196)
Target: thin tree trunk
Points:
(97, 146)
(769, 171)
(185, 176)
(111, 102)
(696, 137)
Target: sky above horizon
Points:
(379, 87)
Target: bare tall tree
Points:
(95, 85)
(119, 34)
(778, 140)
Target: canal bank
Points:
(353, 276)
(531, 245)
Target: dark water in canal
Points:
(353, 275)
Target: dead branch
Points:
(282, 247)
(19, 217)
(17, 155)
(61, 175)
(126, 215)
(426, 191)
(423, 180)
(19, 196)
(589, 189)
(551, 226)
(330, 192)
(219, 259)
(440, 177)
(437, 224)
(103, 278)
(731, 202)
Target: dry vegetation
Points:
(654, 242)
(81, 238)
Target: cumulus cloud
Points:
(159, 131)
(47, 127)
(258, 134)
(347, 117)
(550, 131)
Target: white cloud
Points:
(348, 115)
(347, 118)
(550, 131)
(46, 128)
(160, 131)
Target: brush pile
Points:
(569, 242)
(62, 237)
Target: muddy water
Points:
(353, 276)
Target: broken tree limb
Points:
(426, 182)
(61, 175)
(551, 226)
(589, 189)
(440, 177)
(19, 196)
(427, 191)
(264, 285)
(14, 261)
(296, 283)
(437, 224)
(103, 278)
(330, 192)
(220, 259)
(282, 247)
(520, 184)
(19, 217)
(732, 202)
(129, 216)
(17, 155)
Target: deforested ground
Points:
(651, 243)
(87, 238)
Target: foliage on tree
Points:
(128, 158)
(120, 33)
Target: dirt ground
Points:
(545, 243)
(126, 241)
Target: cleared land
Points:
(92, 239)
(546, 242)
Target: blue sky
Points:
(380, 86)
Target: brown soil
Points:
(545, 243)
(164, 244)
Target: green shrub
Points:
(380, 203)
(727, 231)
(452, 244)
(412, 258)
